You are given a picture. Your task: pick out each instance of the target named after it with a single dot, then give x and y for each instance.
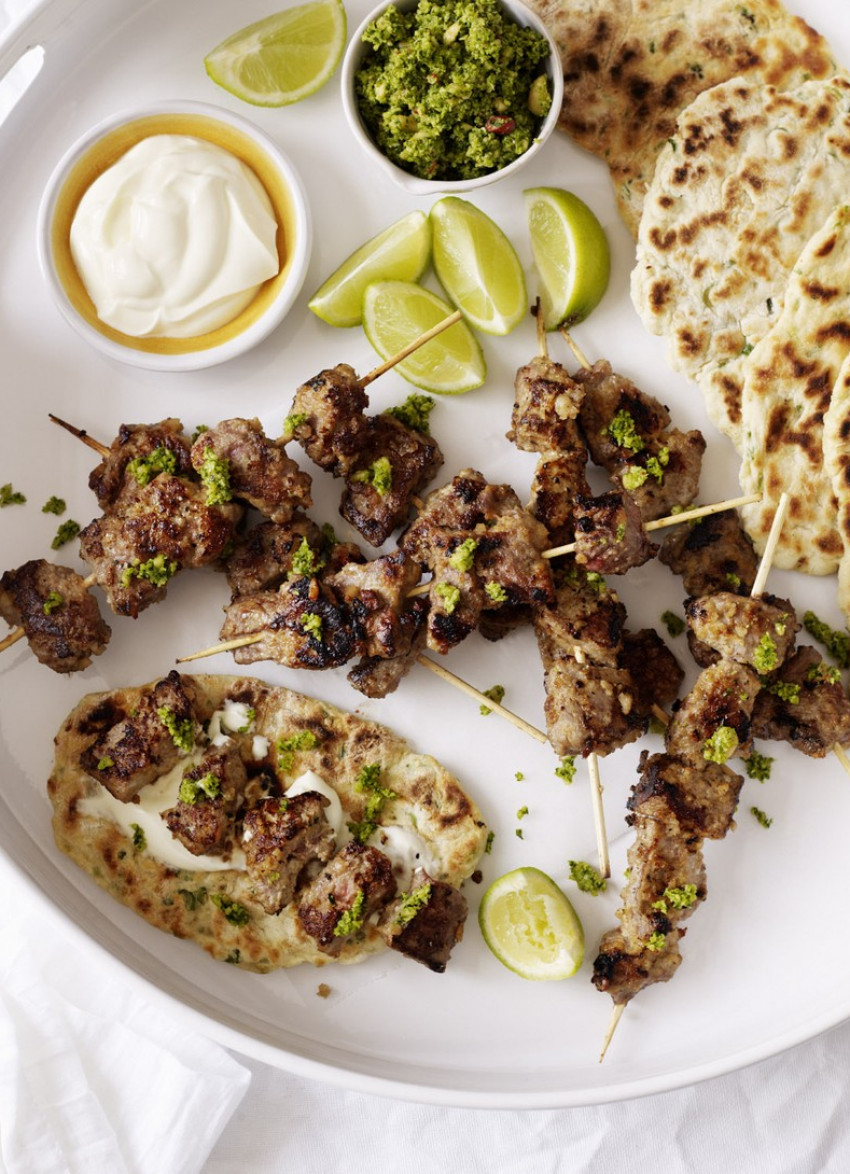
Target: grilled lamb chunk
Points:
(263, 558)
(759, 632)
(622, 972)
(587, 619)
(546, 402)
(589, 708)
(167, 526)
(376, 594)
(819, 716)
(202, 819)
(328, 419)
(702, 798)
(357, 882)
(259, 470)
(609, 534)
(377, 500)
(558, 480)
(114, 484)
(426, 923)
(606, 396)
(58, 613)
(714, 553)
(281, 837)
(656, 674)
(301, 625)
(139, 748)
(495, 625)
(378, 676)
(679, 455)
(723, 696)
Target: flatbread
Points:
(787, 387)
(750, 175)
(631, 67)
(836, 456)
(180, 901)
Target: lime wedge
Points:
(571, 254)
(530, 925)
(397, 312)
(284, 57)
(399, 253)
(478, 266)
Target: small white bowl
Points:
(353, 58)
(97, 150)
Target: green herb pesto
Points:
(139, 840)
(496, 592)
(199, 431)
(836, 643)
(453, 89)
(567, 769)
(656, 465)
(621, 532)
(721, 745)
(191, 790)
(674, 624)
(105, 762)
(679, 897)
(65, 533)
(352, 919)
(522, 813)
(758, 766)
(53, 601)
(295, 420)
(414, 412)
(233, 912)
(785, 691)
(448, 596)
(215, 477)
(765, 657)
(305, 561)
(633, 477)
(157, 571)
(463, 556)
(413, 903)
(369, 780)
(288, 747)
(495, 693)
(733, 580)
(519, 776)
(312, 624)
(144, 469)
(763, 819)
(518, 834)
(623, 431)
(54, 505)
(181, 729)
(379, 475)
(823, 674)
(588, 878)
(656, 941)
(488, 846)
(10, 496)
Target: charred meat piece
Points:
(546, 402)
(623, 971)
(139, 453)
(426, 923)
(656, 674)
(328, 419)
(281, 837)
(589, 708)
(377, 676)
(702, 798)
(58, 613)
(301, 625)
(759, 632)
(356, 883)
(376, 594)
(670, 484)
(167, 526)
(394, 464)
(143, 745)
(609, 534)
(806, 706)
(263, 558)
(587, 619)
(713, 721)
(712, 554)
(258, 469)
(558, 480)
(203, 817)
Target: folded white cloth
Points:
(93, 1078)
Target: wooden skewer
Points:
(542, 341)
(616, 1016)
(81, 434)
(465, 687)
(14, 636)
(575, 348)
(411, 347)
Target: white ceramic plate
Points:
(766, 956)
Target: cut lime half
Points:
(397, 312)
(530, 925)
(477, 266)
(399, 253)
(282, 58)
(570, 252)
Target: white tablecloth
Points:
(97, 1081)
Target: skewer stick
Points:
(576, 349)
(14, 636)
(81, 434)
(465, 687)
(225, 646)
(542, 341)
(410, 348)
(616, 1016)
(701, 511)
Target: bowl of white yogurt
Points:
(174, 237)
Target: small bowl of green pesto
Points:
(450, 95)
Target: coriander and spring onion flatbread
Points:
(631, 67)
(786, 393)
(423, 818)
(836, 457)
(750, 175)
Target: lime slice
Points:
(397, 312)
(478, 266)
(571, 254)
(399, 253)
(284, 57)
(530, 925)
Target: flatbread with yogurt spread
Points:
(750, 175)
(631, 67)
(195, 898)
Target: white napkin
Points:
(93, 1078)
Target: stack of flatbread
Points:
(726, 128)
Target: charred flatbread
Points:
(631, 67)
(388, 796)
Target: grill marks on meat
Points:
(331, 426)
(138, 748)
(609, 534)
(281, 838)
(724, 695)
(356, 883)
(436, 927)
(59, 615)
(376, 593)
(712, 554)
(260, 471)
(205, 826)
(759, 632)
(112, 484)
(559, 479)
(504, 551)
(817, 719)
(263, 558)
